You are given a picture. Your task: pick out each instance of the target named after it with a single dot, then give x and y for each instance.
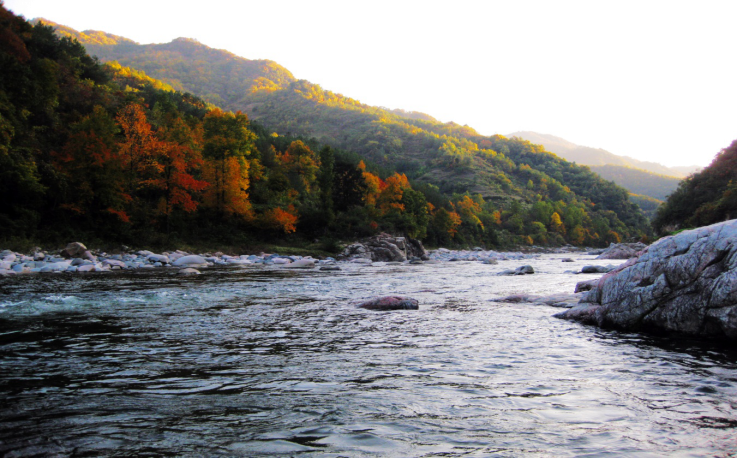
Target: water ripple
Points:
(262, 361)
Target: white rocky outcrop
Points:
(684, 283)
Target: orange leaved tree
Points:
(178, 160)
(227, 145)
(136, 151)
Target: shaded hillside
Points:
(585, 155)
(513, 174)
(647, 204)
(706, 197)
(639, 181)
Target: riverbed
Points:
(265, 361)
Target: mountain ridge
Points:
(586, 155)
(455, 158)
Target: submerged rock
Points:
(685, 283)
(554, 300)
(301, 264)
(330, 268)
(596, 269)
(189, 271)
(390, 303)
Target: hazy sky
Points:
(654, 80)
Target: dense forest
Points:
(704, 198)
(647, 204)
(103, 151)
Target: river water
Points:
(259, 361)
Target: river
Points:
(262, 361)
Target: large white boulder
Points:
(684, 283)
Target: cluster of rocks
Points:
(77, 258)
(685, 283)
(385, 248)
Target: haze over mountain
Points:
(585, 155)
(537, 194)
(638, 181)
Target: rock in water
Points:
(684, 283)
(390, 303)
(301, 264)
(189, 271)
(521, 270)
(596, 269)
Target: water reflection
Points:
(274, 362)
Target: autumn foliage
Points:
(107, 151)
(280, 219)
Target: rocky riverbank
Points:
(77, 258)
(685, 283)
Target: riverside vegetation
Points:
(93, 151)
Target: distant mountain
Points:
(686, 170)
(585, 155)
(526, 183)
(638, 181)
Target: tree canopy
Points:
(113, 152)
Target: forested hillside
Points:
(704, 198)
(215, 75)
(647, 204)
(106, 152)
(112, 151)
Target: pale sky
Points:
(654, 80)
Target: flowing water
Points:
(260, 361)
